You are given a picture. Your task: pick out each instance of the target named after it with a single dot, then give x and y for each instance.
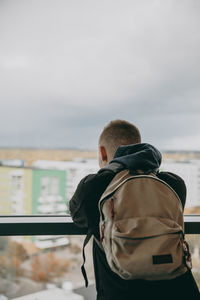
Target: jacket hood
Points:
(141, 156)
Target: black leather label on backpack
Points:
(162, 259)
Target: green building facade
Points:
(49, 192)
(32, 191)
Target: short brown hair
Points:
(117, 133)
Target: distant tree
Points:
(11, 257)
(46, 267)
(16, 249)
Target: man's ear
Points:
(104, 156)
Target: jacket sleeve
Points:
(83, 205)
(77, 203)
(177, 183)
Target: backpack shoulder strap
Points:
(114, 167)
(87, 238)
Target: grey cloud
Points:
(68, 126)
(68, 67)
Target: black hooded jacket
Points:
(84, 212)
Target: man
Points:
(120, 142)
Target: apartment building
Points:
(75, 171)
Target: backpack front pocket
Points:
(150, 249)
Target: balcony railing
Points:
(57, 225)
(63, 225)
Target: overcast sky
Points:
(67, 67)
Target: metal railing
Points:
(63, 225)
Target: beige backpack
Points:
(142, 228)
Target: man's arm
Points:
(84, 203)
(77, 203)
(176, 182)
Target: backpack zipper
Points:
(112, 211)
(102, 232)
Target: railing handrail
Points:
(63, 225)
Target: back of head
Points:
(117, 133)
